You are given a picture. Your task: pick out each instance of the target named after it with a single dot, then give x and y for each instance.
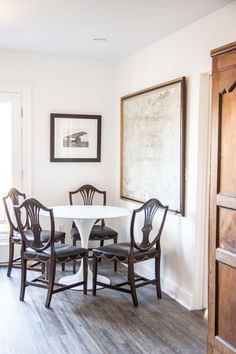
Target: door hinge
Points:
(21, 112)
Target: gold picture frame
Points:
(153, 145)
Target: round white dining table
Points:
(84, 217)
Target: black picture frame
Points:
(75, 137)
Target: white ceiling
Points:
(68, 27)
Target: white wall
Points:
(84, 86)
(65, 85)
(185, 53)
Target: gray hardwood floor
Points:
(107, 323)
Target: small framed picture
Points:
(75, 138)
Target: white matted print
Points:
(75, 138)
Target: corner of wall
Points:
(177, 293)
(171, 288)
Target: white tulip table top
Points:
(84, 217)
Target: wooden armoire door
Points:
(222, 238)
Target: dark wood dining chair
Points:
(135, 251)
(100, 232)
(48, 253)
(15, 197)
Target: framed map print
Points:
(153, 145)
(75, 138)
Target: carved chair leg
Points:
(85, 264)
(95, 269)
(47, 265)
(74, 262)
(43, 268)
(63, 264)
(158, 279)
(23, 278)
(11, 257)
(101, 245)
(115, 262)
(131, 280)
(52, 271)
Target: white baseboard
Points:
(177, 293)
(169, 287)
(4, 251)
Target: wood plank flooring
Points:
(107, 323)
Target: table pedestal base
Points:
(84, 226)
(74, 278)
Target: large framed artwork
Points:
(75, 138)
(153, 145)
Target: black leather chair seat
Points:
(120, 252)
(63, 252)
(45, 235)
(98, 232)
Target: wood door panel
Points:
(226, 201)
(226, 60)
(226, 257)
(227, 151)
(226, 311)
(227, 229)
(222, 220)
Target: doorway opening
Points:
(15, 102)
(11, 171)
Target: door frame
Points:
(200, 299)
(24, 89)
